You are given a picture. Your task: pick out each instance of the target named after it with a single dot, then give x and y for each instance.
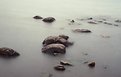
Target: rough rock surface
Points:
(81, 30)
(38, 17)
(49, 19)
(54, 48)
(92, 22)
(8, 52)
(91, 64)
(56, 40)
(64, 36)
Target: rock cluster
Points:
(47, 19)
(56, 44)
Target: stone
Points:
(92, 22)
(116, 25)
(8, 52)
(64, 36)
(65, 63)
(56, 40)
(119, 21)
(49, 19)
(91, 64)
(90, 18)
(54, 48)
(38, 17)
(108, 23)
(81, 31)
(72, 21)
(60, 68)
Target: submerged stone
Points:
(64, 36)
(49, 19)
(60, 68)
(91, 64)
(119, 21)
(38, 17)
(8, 52)
(90, 18)
(72, 21)
(92, 22)
(81, 30)
(65, 63)
(108, 23)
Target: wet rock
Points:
(54, 48)
(100, 21)
(108, 23)
(105, 36)
(91, 64)
(90, 18)
(8, 52)
(49, 19)
(81, 30)
(65, 63)
(116, 25)
(61, 39)
(119, 21)
(60, 68)
(72, 21)
(37, 17)
(64, 36)
(92, 22)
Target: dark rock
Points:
(49, 19)
(91, 64)
(108, 23)
(119, 21)
(116, 25)
(92, 22)
(37, 17)
(100, 21)
(56, 40)
(104, 36)
(81, 30)
(70, 43)
(72, 21)
(54, 48)
(8, 52)
(60, 68)
(64, 36)
(90, 18)
(65, 63)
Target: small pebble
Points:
(60, 68)
(91, 64)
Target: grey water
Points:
(18, 30)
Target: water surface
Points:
(18, 30)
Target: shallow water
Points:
(18, 30)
